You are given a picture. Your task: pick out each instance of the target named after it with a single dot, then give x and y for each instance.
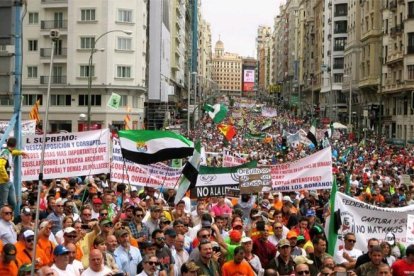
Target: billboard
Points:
(248, 79)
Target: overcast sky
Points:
(236, 22)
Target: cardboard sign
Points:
(253, 180)
(233, 192)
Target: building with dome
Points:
(227, 70)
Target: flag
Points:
(114, 101)
(216, 112)
(127, 119)
(241, 122)
(256, 135)
(329, 132)
(267, 125)
(312, 134)
(189, 175)
(152, 146)
(34, 113)
(251, 126)
(228, 131)
(332, 231)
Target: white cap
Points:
(28, 233)
(133, 189)
(246, 239)
(69, 230)
(44, 224)
(390, 238)
(287, 198)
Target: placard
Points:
(253, 180)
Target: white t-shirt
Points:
(70, 270)
(354, 253)
(89, 272)
(78, 266)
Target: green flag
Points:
(332, 233)
(217, 112)
(114, 101)
(241, 122)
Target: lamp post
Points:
(93, 49)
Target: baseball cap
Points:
(291, 234)
(310, 213)
(314, 194)
(205, 224)
(390, 238)
(246, 239)
(164, 220)
(28, 233)
(69, 230)
(121, 232)
(283, 242)
(146, 244)
(300, 238)
(155, 208)
(170, 232)
(105, 221)
(235, 236)
(44, 224)
(302, 260)
(134, 189)
(287, 198)
(190, 266)
(60, 250)
(97, 201)
(26, 211)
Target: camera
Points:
(216, 249)
(85, 226)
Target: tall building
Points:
(119, 62)
(262, 43)
(227, 70)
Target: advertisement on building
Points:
(248, 80)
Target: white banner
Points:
(230, 161)
(154, 175)
(313, 172)
(67, 154)
(28, 127)
(269, 112)
(369, 221)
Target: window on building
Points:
(410, 13)
(32, 72)
(85, 71)
(410, 72)
(60, 100)
(95, 100)
(341, 9)
(33, 18)
(6, 100)
(125, 16)
(32, 45)
(123, 71)
(88, 15)
(124, 100)
(340, 27)
(339, 44)
(338, 78)
(87, 42)
(124, 43)
(30, 99)
(338, 63)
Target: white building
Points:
(119, 61)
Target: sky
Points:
(236, 22)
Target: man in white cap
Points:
(251, 258)
(25, 254)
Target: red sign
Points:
(248, 86)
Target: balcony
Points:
(54, 24)
(58, 53)
(55, 80)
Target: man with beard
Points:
(283, 263)
(264, 249)
(371, 268)
(208, 265)
(127, 257)
(163, 253)
(150, 264)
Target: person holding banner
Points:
(348, 255)
(7, 191)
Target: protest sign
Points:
(312, 173)
(212, 181)
(114, 101)
(231, 161)
(28, 127)
(410, 229)
(252, 180)
(154, 175)
(233, 192)
(369, 221)
(66, 154)
(269, 112)
(406, 179)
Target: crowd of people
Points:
(92, 226)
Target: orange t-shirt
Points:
(24, 256)
(230, 268)
(10, 269)
(47, 246)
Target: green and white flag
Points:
(217, 112)
(189, 175)
(152, 146)
(332, 231)
(114, 101)
(212, 181)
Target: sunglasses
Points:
(160, 238)
(87, 215)
(139, 215)
(108, 225)
(303, 272)
(71, 236)
(351, 241)
(277, 227)
(30, 240)
(205, 236)
(7, 213)
(153, 263)
(103, 214)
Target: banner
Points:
(154, 175)
(293, 139)
(369, 221)
(267, 125)
(313, 172)
(28, 127)
(66, 154)
(253, 180)
(231, 161)
(212, 181)
(269, 112)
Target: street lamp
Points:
(93, 50)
